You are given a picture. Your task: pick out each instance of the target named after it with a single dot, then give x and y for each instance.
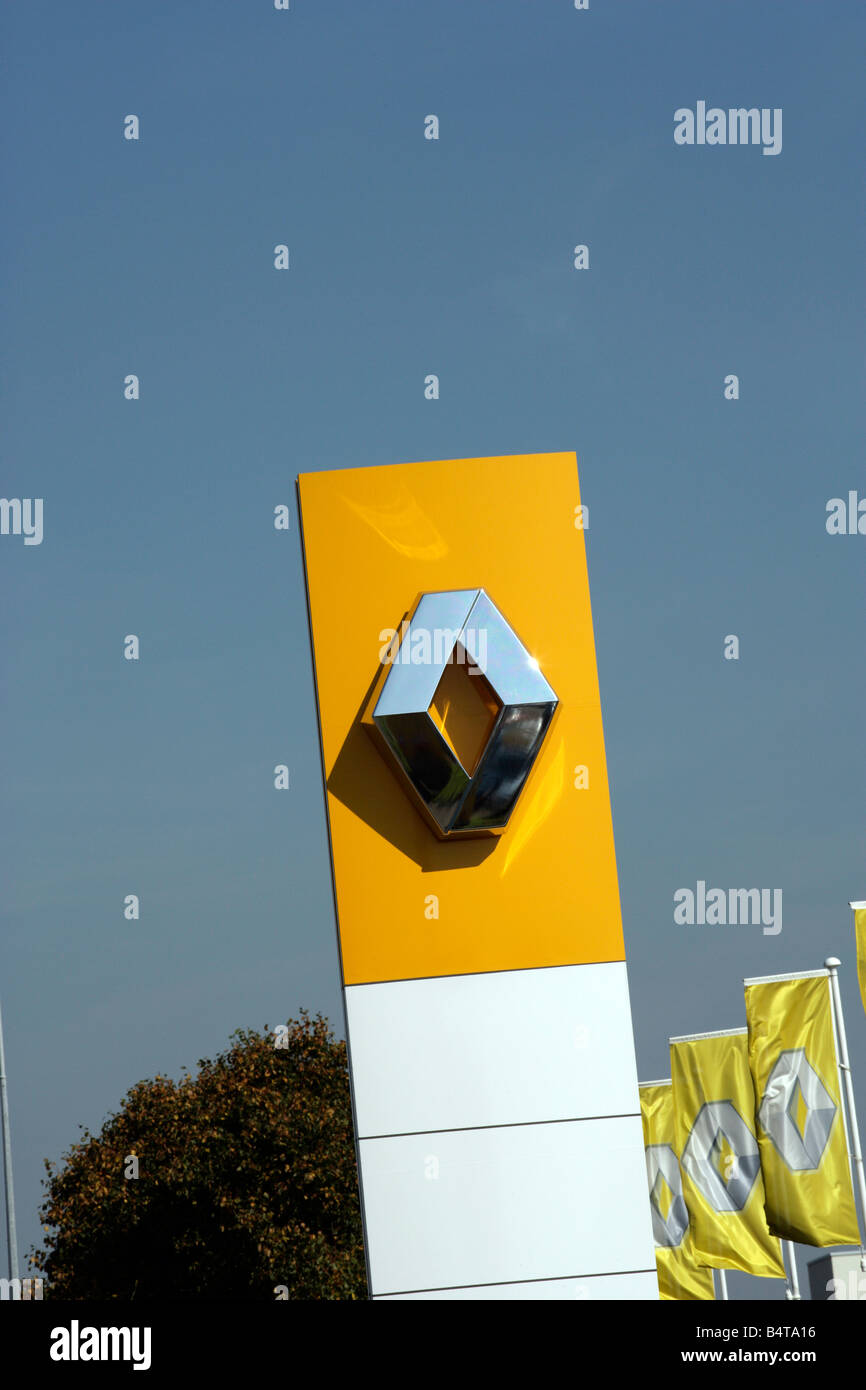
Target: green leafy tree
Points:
(246, 1182)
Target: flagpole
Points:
(11, 1236)
(789, 1257)
(722, 1283)
(855, 1154)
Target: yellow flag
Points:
(714, 1114)
(860, 930)
(679, 1276)
(801, 1127)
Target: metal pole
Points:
(11, 1236)
(789, 1256)
(721, 1282)
(832, 964)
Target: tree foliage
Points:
(247, 1181)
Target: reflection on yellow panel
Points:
(544, 892)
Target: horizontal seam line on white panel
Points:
(461, 975)
(505, 1124)
(507, 1283)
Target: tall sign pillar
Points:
(490, 1038)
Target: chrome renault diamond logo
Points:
(463, 712)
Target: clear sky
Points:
(409, 257)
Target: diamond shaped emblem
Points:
(721, 1156)
(462, 713)
(661, 1196)
(670, 1217)
(797, 1111)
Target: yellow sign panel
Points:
(409, 904)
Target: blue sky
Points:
(409, 257)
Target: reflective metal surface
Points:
(463, 626)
